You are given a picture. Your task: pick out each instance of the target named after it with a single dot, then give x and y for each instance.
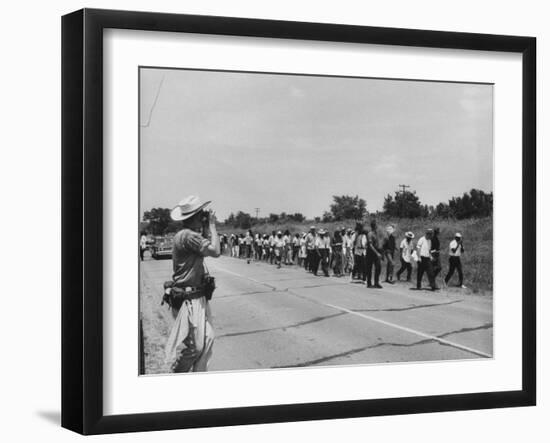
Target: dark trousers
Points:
(359, 267)
(141, 253)
(373, 260)
(314, 261)
(425, 265)
(324, 260)
(337, 261)
(308, 263)
(405, 267)
(455, 263)
(389, 265)
(436, 264)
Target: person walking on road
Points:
(279, 246)
(189, 345)
(142, 245)
(359, 245)
(295, 248)
(374, 256)
(265, 248)
(424, 247)
(388, 248)
(272, 246)
(337, 253)
(406, 249)
(311, 257)
(456, 249)
(347, 246)
(322, 245)
(248, 243)
(436, 250)
(302, 254)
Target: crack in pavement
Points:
(351, 352)
(409, 308)
(295, 325)
(391, 344)
(460, 331)
(246, 293)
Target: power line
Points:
(257, 212)
(404, 187)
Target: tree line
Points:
(403, 204)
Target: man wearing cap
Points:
(406, 249)
(189, 345)
(424, 247)
(374, 256)
(456, 249)
(311, 253)
(389, 249)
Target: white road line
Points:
(368, 317)
(396, 326)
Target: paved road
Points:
(267, 318)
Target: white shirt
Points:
(424, 247)
(323, 242)
(360, 244)
(407, 249)
(143, 242)
(347, 243)
(310, 241)
(453, 245)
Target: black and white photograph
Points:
(292, 221)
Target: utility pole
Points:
(257, 212)
(404, 187)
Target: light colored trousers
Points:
(189, 346)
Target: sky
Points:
(288, 143)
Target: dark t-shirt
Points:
(435, 246)
(188, 257)
(389, 243)
(372, 238)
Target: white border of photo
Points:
(125, 392)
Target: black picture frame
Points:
(82, 220)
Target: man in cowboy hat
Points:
(456, 249)
(189, 346)
(406, 250)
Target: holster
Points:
(175, 295)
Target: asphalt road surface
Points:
(266, 317)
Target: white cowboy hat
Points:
(187, 207)
(409, 234)
(458, 234)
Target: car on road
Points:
(162, 247)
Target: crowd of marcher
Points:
(358, 253)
